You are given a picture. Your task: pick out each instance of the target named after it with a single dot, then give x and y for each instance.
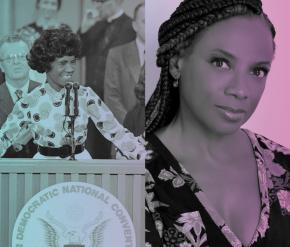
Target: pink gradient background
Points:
(272, 116)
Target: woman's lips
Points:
(231, 114)
(231, 109)
(67, 77)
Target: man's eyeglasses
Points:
(21, 57)
(100, 1)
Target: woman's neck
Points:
(54, 85)
(193, 142)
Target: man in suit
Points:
(104, 27)
(99, 32)
(123, 68)
(13, 51)
(135, 118)
(1, 77)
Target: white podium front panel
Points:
(20, 179)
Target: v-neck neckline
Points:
(212, 212)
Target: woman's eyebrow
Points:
(231, 56)
(263, 63)
(225, 53)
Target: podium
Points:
(20, 179)
(73, 245)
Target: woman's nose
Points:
(237, 87)
(69, 68)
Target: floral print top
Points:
(178, 213)
(43, 113)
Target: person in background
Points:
(123, 69)
(2, 77)
(49, 109)
(13, 62)
(135, 118)
(210, 182)
(102, 28)
(108, 28)
(46, 18)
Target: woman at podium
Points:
(57, 112)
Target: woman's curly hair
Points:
(177, 34)
(53, 44)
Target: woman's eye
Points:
(220, 63)
(260, 72)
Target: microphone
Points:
(76, 87)
(68, 87)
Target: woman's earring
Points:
(176, 82)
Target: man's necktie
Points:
(19, 94)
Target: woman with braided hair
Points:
(209, 182)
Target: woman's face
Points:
(48, 8)
(224, 74)
(61, 72)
